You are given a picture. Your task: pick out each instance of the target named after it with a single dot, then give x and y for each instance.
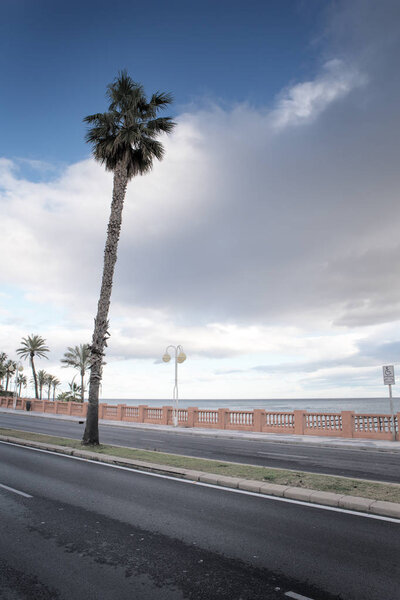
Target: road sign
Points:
(388, 375)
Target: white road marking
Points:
(272, 454)
(10, 489)
(354, 513)
(297, 596)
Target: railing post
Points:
(398, 426)
(120, 411)
(142, 408)
(222, 417)
(347, 423)
(299, 422)
(191, 414)
(164, 415)
(258, 419)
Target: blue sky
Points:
(266, 242)
(56, 58)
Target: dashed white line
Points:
(297, 596)
(10, 489)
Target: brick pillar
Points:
(299, 422)
(222, 417)
(164, 415)
(142, 408)
(69, 408)
(258, 419)
(102, 409)
(85, 409)
(347, 423)
(398, 426)
(120, 411)
(191, 415)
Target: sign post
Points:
(388, 379)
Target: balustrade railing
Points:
(346, 424)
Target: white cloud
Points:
(304, 101)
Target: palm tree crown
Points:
(126, 133)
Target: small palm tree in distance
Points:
(56, 383)
(10, 368)
(123, 139)
(42, 381)
(78, 357)
(32, 346)
(49, 382)
(21, 381)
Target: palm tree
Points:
(124, 140)
(21, 381)
(49, 382)
(74, 391)
(32, 346)
(3, 360)
(10, 368)
(42, 381)
(78, 357)
(55, 385)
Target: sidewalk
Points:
(332, 442)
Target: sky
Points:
(266, 241)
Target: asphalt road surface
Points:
(88, 531)
(364, 464)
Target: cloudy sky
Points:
(266, 242)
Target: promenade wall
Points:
(345, 424)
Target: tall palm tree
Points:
(32, 346)
(78, 357)
(124, 140)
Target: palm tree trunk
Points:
(35, 378)
(100, 333)
(82, 384)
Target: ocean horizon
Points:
(358, 405)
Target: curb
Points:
(375, 507)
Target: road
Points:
(364, 464)
(94, 532)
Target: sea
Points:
(358, 405)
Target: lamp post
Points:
(180, 357)
(18, 372)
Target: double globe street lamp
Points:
(180, 357)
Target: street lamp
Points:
(180, 357)
(18, 372)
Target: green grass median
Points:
(326, 483)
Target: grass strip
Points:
(326, 483)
